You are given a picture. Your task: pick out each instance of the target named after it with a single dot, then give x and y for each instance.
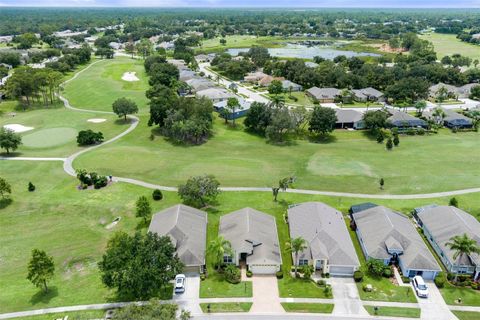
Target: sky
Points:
(247, 3)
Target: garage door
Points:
(341, 270)
(263, 268)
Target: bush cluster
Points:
(232, 274)
(92, 178)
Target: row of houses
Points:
(330, 95)
(383, 234)
(264, 80)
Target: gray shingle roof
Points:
(199, 84)
(215, 93)
(348, 116)
(367, 93)
(187, 228)
(252, 231)
(381, 227)
(324, 93)
(445, 222)
(403, 119)
(325, 231)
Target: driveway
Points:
(346, 298)
(265, 295)
(189, 300)
(434, 307)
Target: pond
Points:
(301, 51)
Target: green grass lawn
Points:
(467, 315)
(302, 99)
(77, 315)
(241, 41)
(55, 128)
(469, 296)
(394, 312)
(99, 86)
(308, 307)
(216, 287)
(238, 158)
(289, 287)
(359, 105)
(448, 44)
(226, 307)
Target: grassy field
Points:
(70, 225)
(226, 307)
(99, 86)
(351, 162)
(55, 128)
(308, 307)
(467, 315)
(448, 44)
(241, 41)
(394, 312)
(77, 315)
(469, 296)
(302, 99)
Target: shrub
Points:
(358, 276)
(279, 274)
(202, 277)
(387, 273)
(463, 277)
(232, 274)
(89, 137)
(475, 286)
(450, 276)
(327, 275)
(421, 131)
(327, 290)
(380, 138)
(249, 273)
(321, 282)
(157, 195)
(100, 182)
(389, 144)
(410, 131)
(31, 187)
(440, 280)
(453, 202)
(307, 271)
(396, 140)
(405, 279)
(375, 267)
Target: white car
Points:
(420, 287)
(180, 283)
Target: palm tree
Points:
(439, 115)
(232, 105)
(462, 245)
(278, 101)
(219, 248)
(296, 245)
(442, 95)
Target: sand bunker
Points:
(130, 76)
(96, 120)
(17, 127)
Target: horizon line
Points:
(241, 7)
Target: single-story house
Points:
(187, 74)
(267, 80)
(329, 246)
(403, 120)
(199, 84)
(254, 77)
(288, 85)
(254, 239)
(215, 94)
(180, 64)
(324, 95)
(360, 207)
(115, 45)
(241, 110)
(456, 120)
(187, 228)
(391, 237)
(367, 94)
(349, 119)
(464, 91)
(440, 224)
(452, 91)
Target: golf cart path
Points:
(68, 166)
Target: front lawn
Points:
(226, 307)
(469, 296)
(466, 315)
(394, 312)
(308, 307)
(299, 98)
(359, 105)
(76, 315)
(216, 287)
(289, 287)
(384, 290)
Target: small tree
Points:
(322, 120)
(89, 137)
(9, 140)
(396, 140)
(144, 210)
(5, 188)
(31, 187)
(375, 267)
(40, 268)
(199, 190)
(295, 246)
(389, 144)
(157, 195)
(283, 184)
(219, 248)
(453, 202)
(382, 183)
(462, 246)
(232, 105)
(123, 107)
(275, 87)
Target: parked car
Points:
(420, 287)
(180, 283)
